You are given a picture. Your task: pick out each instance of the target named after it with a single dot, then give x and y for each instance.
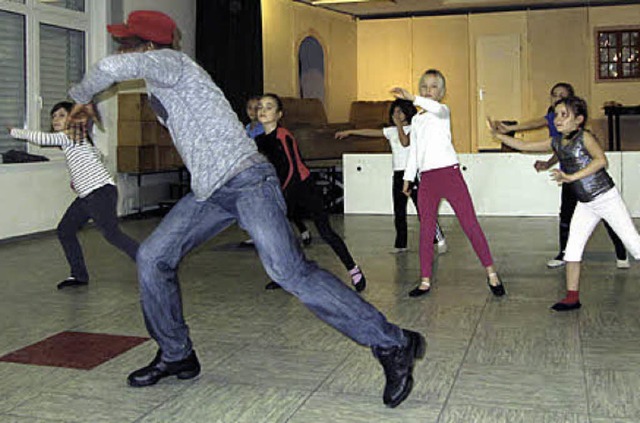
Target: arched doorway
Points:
(311, 69)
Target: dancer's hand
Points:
(560, 177)
(402, 94)
(406, 188)
(81, 118)
(492, 126)
(502, 128)
(342, 134)
(541, 165)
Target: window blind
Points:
(61, 66)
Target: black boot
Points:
(158, 369)
(397, 363)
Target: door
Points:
(499, 84)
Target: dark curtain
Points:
(229, 47)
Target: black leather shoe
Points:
(497, 290)
(566, 306)
(397, 363)
(272, 285)
(158, 369)
(417, 292)
(71, 281)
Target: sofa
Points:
(307, 120)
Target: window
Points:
(13, 78)
(77, 5)
(43, 52)
(618, 54)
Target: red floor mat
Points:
(75, 350)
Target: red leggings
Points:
(447, 183)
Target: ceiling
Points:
(398, 8)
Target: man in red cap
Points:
(230, 182)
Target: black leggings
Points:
(100, 205)
(567, 207)
(303, 199)
(400, 201)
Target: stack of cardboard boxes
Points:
(144, 145)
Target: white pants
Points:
(610, 207)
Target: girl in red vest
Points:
(301, 196)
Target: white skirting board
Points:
(501, 184)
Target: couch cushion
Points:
(320, 144)
(303, 111)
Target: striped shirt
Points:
(84, 160)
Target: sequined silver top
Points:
(206, 131)
(573, 157)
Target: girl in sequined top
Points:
(583, 165)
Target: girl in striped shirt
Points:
(97, 194)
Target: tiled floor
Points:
(267, 359)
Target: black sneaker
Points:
(272, 285)
(158, 369)
(397, 363)
(71, 281)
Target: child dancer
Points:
(231, 181)
(97, 193)
(254, 128)
(432, 154)
(281, 148)
(568, 200)
(582, 169)
(400, 114)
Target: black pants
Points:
(100, 206)
(567, 207)
(400, 201)
(303, 199)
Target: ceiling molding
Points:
(448, 7)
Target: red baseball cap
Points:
(149, 25)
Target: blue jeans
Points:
(254, 199)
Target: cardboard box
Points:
(137, 133)
(164, 137)
(135, 107)
(137, 159)
(168, 158)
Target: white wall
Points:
(502, 184)
(35, 195)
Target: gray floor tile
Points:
(76, 408)
(324, 407)
(614, 393)
(212, 401)
(486, 414)
(520, 387)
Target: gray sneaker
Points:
(555, 263)
(623, 264)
